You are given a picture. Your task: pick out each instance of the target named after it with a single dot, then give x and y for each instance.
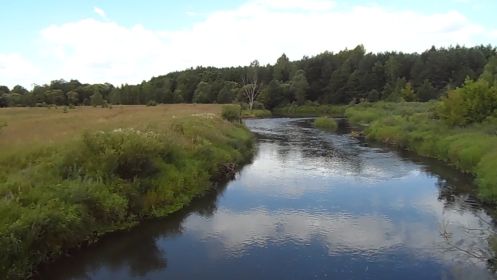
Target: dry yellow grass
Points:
(44, 126)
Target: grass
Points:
(68, 178)
(256, 113)
(325, 123)
(310, 110)
(415, 126)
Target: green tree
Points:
(115, 96)
(227, 93)
(299, 87)
(20, 89)
(97, 99)
(490, 72)
(407, 93)
(426, 91)
(283, 69)
(202, 93)
(73, 97)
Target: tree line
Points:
(351, 75)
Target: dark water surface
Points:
(311, 205)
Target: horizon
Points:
(127, 43)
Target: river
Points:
(311, 205)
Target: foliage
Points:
(57, 197)
(310, 110)
(325, 123)
(256, 113)
(473, 102)
(231, 113)
(348, 76)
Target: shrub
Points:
(152, 103)
(325, 123)
(231, 113)
(473, 102)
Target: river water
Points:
(311, 205)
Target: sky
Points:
(125, 41)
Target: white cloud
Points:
(102, 50)
(16, 69)
(99, 12)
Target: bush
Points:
(152, 103)
(325, 123)
(473, 102)
(231, 113)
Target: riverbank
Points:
(414, 126)
(110, 170)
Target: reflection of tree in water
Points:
(135, 249)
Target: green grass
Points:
(57, 196)
(256, 113)
(325, 123)
(415, 126)
(310, 110)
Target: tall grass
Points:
(310, 110)
(415, 126)
(59, 196)
(325, 123)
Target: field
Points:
(67, 176)
(41, 126)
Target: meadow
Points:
(67, 176)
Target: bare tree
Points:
(251, 86)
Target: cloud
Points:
(102, 50)
(341, 233)
(16, 69)
(99, 12)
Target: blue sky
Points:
(129, 41)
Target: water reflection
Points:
(311, 205)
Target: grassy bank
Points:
(98, 170)
(310, 110)
(414, 126)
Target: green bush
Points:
(473, 102)
(325, 123)
(231, 113)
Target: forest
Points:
(349, 76)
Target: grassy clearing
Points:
(414, 126)
(100, 170)
(325, 123)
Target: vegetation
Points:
(351, 75)
(256, 113)
(417, 127)
(310, 110)
(76, 186)
(325, 123)
(231, 113)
